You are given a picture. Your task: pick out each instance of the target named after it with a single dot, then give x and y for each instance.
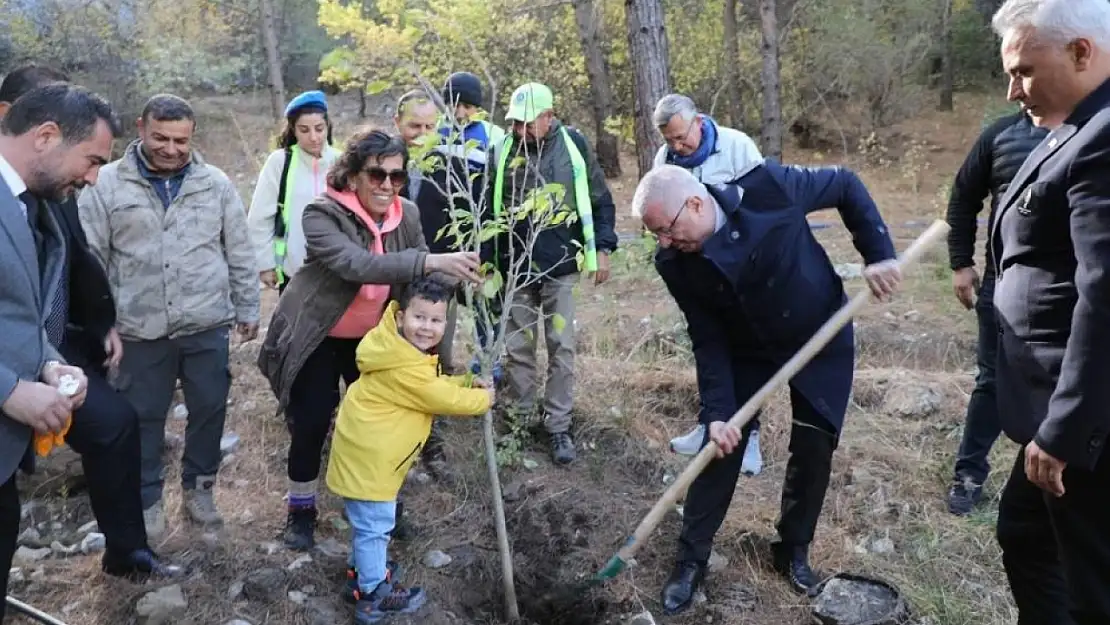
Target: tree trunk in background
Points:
(771, 132)
(608, 148)
(947, 62)
(273, 59)
(730, 63)
(647, 48)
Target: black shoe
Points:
(963, 496)
(139, 563)
(351, 593)
(685, 580)
(300, 529)
(792, 562)
(401, 529)
(562, 448)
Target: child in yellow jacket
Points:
(383, 421)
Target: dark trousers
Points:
(1056, 551)
(812, 443)
(982, 426)
(9, 531)
(312, 403)
(105, 432)
(152, 369)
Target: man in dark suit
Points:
(80, 324)
(754, 285)
(53, 141)
(987, 171)
(1051, 242)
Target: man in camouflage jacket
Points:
(171, 232)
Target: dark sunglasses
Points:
(377, 175)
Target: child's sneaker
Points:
(351, 592)
(387, 600)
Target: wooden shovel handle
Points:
(933, 235)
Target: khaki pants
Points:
(542, 300)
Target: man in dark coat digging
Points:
(754, 285)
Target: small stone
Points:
(30, 537)
(264, 585)
(164, 606)
(38, 575)
(340, 524)
(717, 562)
(241, 483)
(246, 517)
(15, 576)
(882, 546)
(235, 590)
(421, 477)
(668, 479)
(237, 621)
(227, 460)
(172, 441)
(210, 539)
(28, 509)
(643, 618)
(530, 464)
(229, 443)
(699, 597)
(91, 526)
(93, 542)
(269, 548)
(57, 526)
(180, 412)
(436, 559)
(299, 562)
(297, 597)
(70, 607)
(332, 548)
(309, 589)
(62, 551)
(24, 555)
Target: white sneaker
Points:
(154, 518)
(689, 444)
(753, 458)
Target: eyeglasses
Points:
(667, 231)
(377, 175)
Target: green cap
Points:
(529, 101)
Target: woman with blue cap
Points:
(294, 175)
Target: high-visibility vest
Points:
(281, 216)
(581, 192)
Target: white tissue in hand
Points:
(68, 385)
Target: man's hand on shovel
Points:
(726, 436)
(883, 278)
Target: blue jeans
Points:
(371, 522)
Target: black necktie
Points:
(58, 306)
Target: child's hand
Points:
(477, 382)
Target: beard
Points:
(47, 184)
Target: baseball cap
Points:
(528, 101)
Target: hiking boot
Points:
(387, 600)
(351, 593)
(689, 444)
(154, 518)
(963, 496)
(200, 503)
(753, 458)
(562, 448)
(792, 562)
(300, 527)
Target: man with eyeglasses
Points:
(171, 231)
(715, 155)
(754, 285)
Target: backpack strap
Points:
(279, 218)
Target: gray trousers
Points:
(538, 303)
(150, 370)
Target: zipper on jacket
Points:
(408, 457)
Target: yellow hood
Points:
(383, 348)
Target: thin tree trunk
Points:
(947, 62)
(771, 132)
(647, 46)
(730, 61)
(587, 17)
(273, 59)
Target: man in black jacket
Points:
(987, 170)
(1051, 241)
(80, 324)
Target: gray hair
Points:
(667, 185)
(1056, 21)
(671, 105)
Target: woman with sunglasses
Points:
(364, 245)
(293, 175)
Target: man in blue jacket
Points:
(754, 285)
